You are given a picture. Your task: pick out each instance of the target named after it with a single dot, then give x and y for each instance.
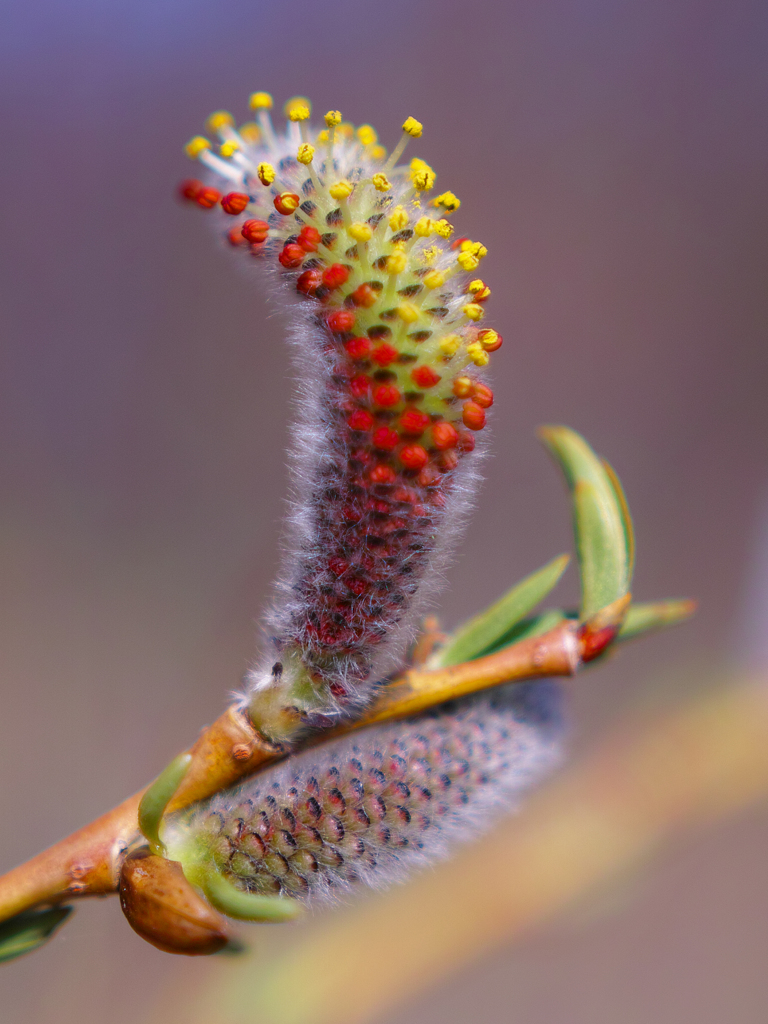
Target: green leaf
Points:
(247, 906)
(27, 931)
(642, 618)
(489, 628)
(602, 526)
(157, 798)
(535, 625)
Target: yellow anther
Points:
(332, 118)
(397, 262)
(260, 101)
(297, 109)
(467, 261)
(463, 387)
(341, 190)
(361, 231)
(221, 119)
(305, 153)
(473, 311)
(250, 131)
(407, 312)
(323, 136)
(442, 228)
(434, 279)
(266, 173)
(450, 344)
(196, 146)
(423, 227)
(448, 201)
(430, 253)
(378, 152)
(423, 181)
(367, 135)
(228, 148)
(475, 248)
(479, 289)
(413, 127)
(477, 354)
(489, 339)
(381, 182)
(399, 219)
(345, 131)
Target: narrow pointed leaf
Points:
(603, 531)
(626, 516)
(247, 906)
(642, 618)
(488, 629)
(158, 796)
(535, 625)
(28, 931)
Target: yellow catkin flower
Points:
(442, 228)
(463, 387)
(367, 134)
(434, 279)
(450, 344)
(360, 231)
(228, 148)
(332, 118)
(423, 227)
(477, 354)
(341, 190)
(398, 219)
(489, 339)
(378, 152)
(423, 181)
(195, 146)
(448, 201)
(479, 289)
(407, 312)
(260, 101)
(323, 136)
(475, 248)
(381, 182)
(467, 261)
(298, 108)
(413, 127)
(473, 311)
(345, 130)
(305, 153)
(250, 132)
(221, 119)
(266, 173)
(397, 262)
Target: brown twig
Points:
(88, 862)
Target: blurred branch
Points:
(646, 784)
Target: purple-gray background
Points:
(612, 155)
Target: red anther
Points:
(358, 348)
(287, 202)
(456, 243)
(365, 296)
(360, 419)
(386, 439)
(488, 341)
(234, 202)
(384, 354)
(428, 477)
(309, 282)
(255, 231)
(483, 396)
(466, 442)
(309, 238)
(414, 422)
(342, 320)
(235, 237)
(444, 436)
(386, 395)
(338, 566)
(335, 275)
(360, 386)
(413, 456)
(382, 475)
(189, 189)
(292, 256)
(207, 197)
(447, 461)
(463, 387)
(473, 416)
(592, 642)
(424, 377)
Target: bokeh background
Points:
(612, 155)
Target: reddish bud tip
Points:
(384, 354)
(386, 395)
(292, 256)
(444, 436)
(255, 231)
(483, 396)
(360, 419)
(286, 203)
(309, 238)
(413, 456)
(365, 296)
(386, 439)
(382, 475)
(234, 202)
(309, 282)
(207, 197)
(466, 442)
(490, 340)
(425, 377)
(335, 275)
(341, 321)
(358, 348)
(414, 422)
(360, 386)
(473, 416)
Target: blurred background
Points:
(612, 156)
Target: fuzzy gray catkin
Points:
(368, 808)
